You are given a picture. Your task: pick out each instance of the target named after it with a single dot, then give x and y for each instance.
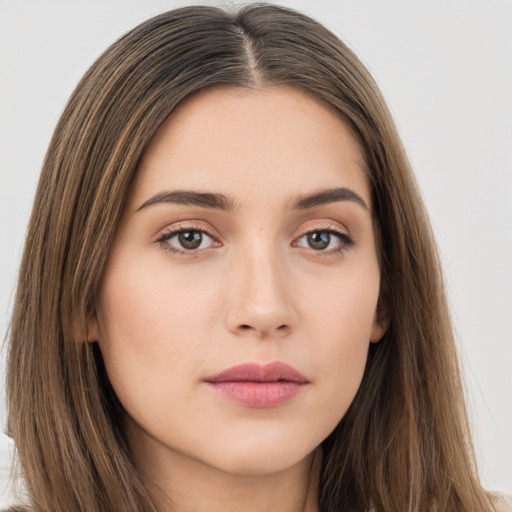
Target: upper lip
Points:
(256, 372)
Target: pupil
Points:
(319, 240)
(190, 239)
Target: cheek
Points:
(340, 320)
(152, 324)
(342, 305)
(154, 301)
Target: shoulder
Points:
(503, 504)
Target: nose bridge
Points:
(261, 301)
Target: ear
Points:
(380, 323)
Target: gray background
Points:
(445, 67)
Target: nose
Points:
(261, 302)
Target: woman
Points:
(230, 297)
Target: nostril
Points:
(283, 328)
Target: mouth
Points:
(259, 386)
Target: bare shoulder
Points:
(503, 504)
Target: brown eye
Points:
(186, 240)
(190, 240)
(319, 240)
(325, 240)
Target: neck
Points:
(183, 484)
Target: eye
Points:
(186, 240)
(325, 240)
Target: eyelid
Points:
(172, 230)
(345, 240)
(322, 225)
(191, 225)
(201, 226)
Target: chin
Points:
(261, 457)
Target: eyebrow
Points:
(331, 195)
(221, 202)
(186, 197)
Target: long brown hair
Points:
(403, 445)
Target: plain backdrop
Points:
(445, 68)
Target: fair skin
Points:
(270, 269)
(503, 504)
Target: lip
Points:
(259, 386)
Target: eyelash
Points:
(171, 232)
(345, 241)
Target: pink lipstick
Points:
(259, 386)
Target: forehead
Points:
(246, 143)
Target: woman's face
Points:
(240, 299)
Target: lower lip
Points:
(260, 395)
